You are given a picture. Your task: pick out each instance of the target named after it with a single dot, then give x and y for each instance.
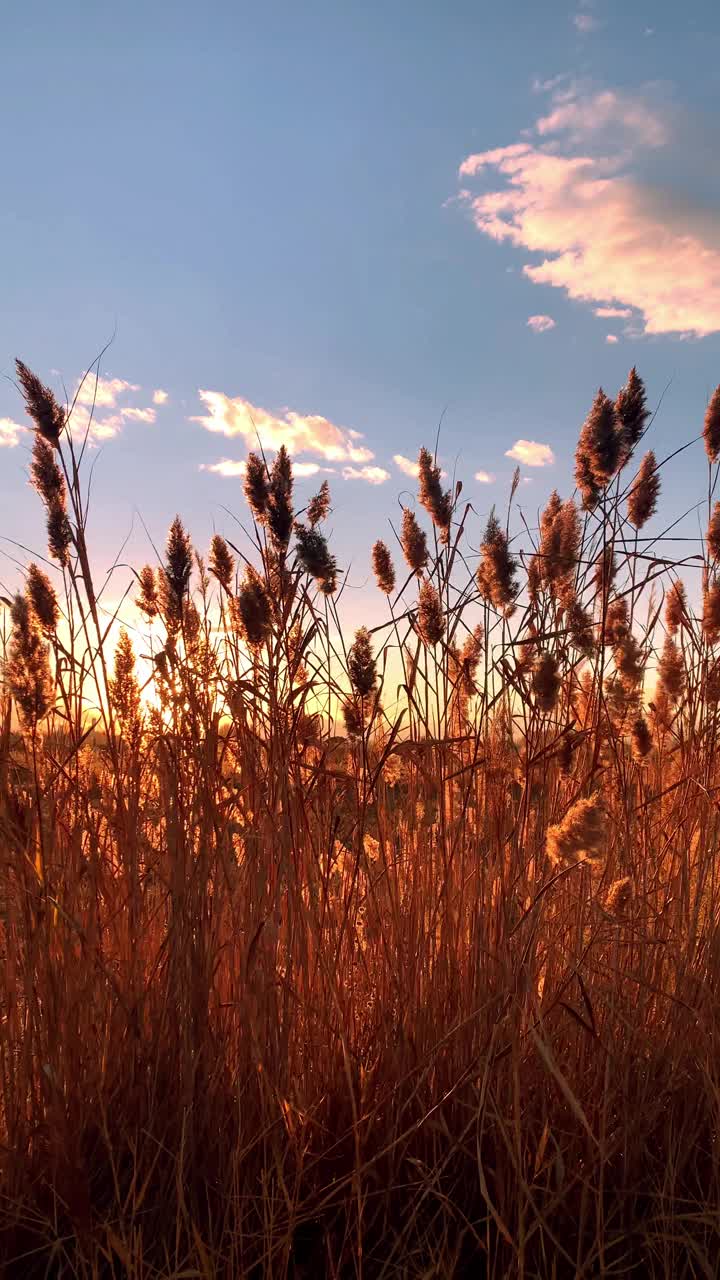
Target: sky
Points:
(341, 225)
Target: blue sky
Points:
(264, 202)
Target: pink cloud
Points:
(101, 392)
(230, 468)
(160, 396)
(603, 235)
(300, 433)
(406, 465)
(610, 313)
(138, 415)
(540, 324)
(10, 433)
(373, 475)
(612, 338)
(484, 477)
(531, 453)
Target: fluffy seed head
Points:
(413, 542)
(257, 487)
(362, 670)
(631, 410)
(600, 445)
(713, 533)
(279, 504)
(436, 501)
(641, 738)
(314, 556)
(470, 655)
(671, 671)
(546, 682)
(43, 600)
(319, 506)
(41, 405)
(675, 607)
(45, 474)
(711, 613)
(222, 563)
(27, 667)
(147, 597)
(711, 427)
(59, 533)
(496, 572)
(430, 617)
(253, 609)
(383, 568)
(579, 836)
(643, 497)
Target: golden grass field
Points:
(386, 955)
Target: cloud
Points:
(160, 396)
(101, 392)
(610, 313)
(575, 196)
(406, 465)
(299, 433)
(484, 477)
(10, 433)
(612, 338)
(373, 475)
(540, 324)
(585, 23)
(531, 453)
(230, 468)
(138, 415)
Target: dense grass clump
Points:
(392, 955)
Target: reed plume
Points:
(26, 670)
(413, 542)
(430, 616)
(711, 426)
(713, 533)
(632, 412)
(436, 501)
(147, 599)
(257, 487)
(496, 572)
(314, 555)
(671, 671)
(43, 600)
(546, 682)
(279, 503)
(579, 837)
(676, 614)
(643, 497)
(318, 507)
(599, 450)
(253, 610)
(383, 568)
(641, 738)
(41, 405)
(362, 670)
(222, 562)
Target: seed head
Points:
(222, 563)
(124, 688)
(436, 501)
(599, 447)
(605, 570)
(470, 655)
(175, 577)
(45, 473)
(257, 487)
(617, 622)
(319, 506)
(711, 613)
(629, 661)
(641, 738)
(413, 542)
(579, 836)
(579, 626)
(59, 533)
(643, 497)
(147, 598)
(362, 670)
(618, 896)
(27, 667)
(314, 556)
(631, 410)
(354, 722)
(711, 428)
(43, 600)
(675, 607)
(383, 568)
(671, 671)
(713, 533)
(496, 572)
(253, 609)
(41, 405)
(279, 504)
(546, 682)
(430, 617)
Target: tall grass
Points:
(393, 955)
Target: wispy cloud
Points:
(612, 338)
(484, 477)
(230, 468)
(102, 392)
(540, 324)
(138, 415)
(531, 453)
(611, 313)
(576, 197)
(373, 475)
(10, 433)
(300, 433)
(160, 396)
(406, 465)
(585, 23)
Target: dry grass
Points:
(435, 997)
